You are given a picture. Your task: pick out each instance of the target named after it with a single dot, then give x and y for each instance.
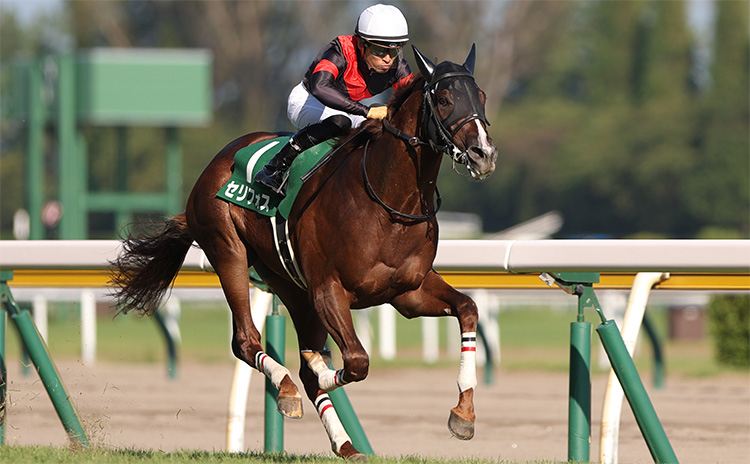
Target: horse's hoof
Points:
(350, 453)
(290, 406)
(460, 428)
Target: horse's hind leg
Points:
(231, 267)
(436, 298)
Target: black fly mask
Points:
(459, 81)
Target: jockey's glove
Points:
(377, 112)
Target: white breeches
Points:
(304, 109)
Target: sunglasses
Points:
(380, 52)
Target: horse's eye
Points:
(443, 101)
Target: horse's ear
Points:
(469, 63)
(426, 67)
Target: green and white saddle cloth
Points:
(241, 190)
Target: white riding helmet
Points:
(384, 25)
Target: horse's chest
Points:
(387, 278)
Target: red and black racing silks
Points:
(339, 76)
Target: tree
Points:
(720, 193)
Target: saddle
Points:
(243, 191)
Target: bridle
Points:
(439, 137)
(438, 133)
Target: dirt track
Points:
(522, 416)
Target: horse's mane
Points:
(371, 128)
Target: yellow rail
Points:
(459, 279)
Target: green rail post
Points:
(350, 421)
(43, 363)
(579, 385)
(648, 326)
(645, 415)
(489, 364)
(161, 320)
(275, 341)
(579, 392)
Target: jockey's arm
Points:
(323, 88)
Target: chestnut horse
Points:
(362, 230)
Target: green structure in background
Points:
(105, 87)
(39, 355)
(580, 284)
(273, 439)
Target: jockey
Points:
(349, 69)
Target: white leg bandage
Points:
(331, 422)
(467, 371)
(328, 379)
(273, 370)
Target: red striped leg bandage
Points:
(467, 371)
(328, 379)
(331, 422)
(273, 370)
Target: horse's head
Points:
(453, 110)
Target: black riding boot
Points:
(273, 175)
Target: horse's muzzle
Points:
(481, 161)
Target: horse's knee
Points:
(356, 366)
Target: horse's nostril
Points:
(477, 151)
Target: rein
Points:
(371, 191)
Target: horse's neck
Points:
(406, 175)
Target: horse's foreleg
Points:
(313, 336)
(341, 444)
(333, 308)
(328, 379)
(436, 298)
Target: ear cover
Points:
(426, 67)
(471, 59)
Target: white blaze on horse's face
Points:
(482, 154)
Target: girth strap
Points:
(284, 250)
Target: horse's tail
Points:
(145, 269)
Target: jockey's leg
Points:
(273, 175)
